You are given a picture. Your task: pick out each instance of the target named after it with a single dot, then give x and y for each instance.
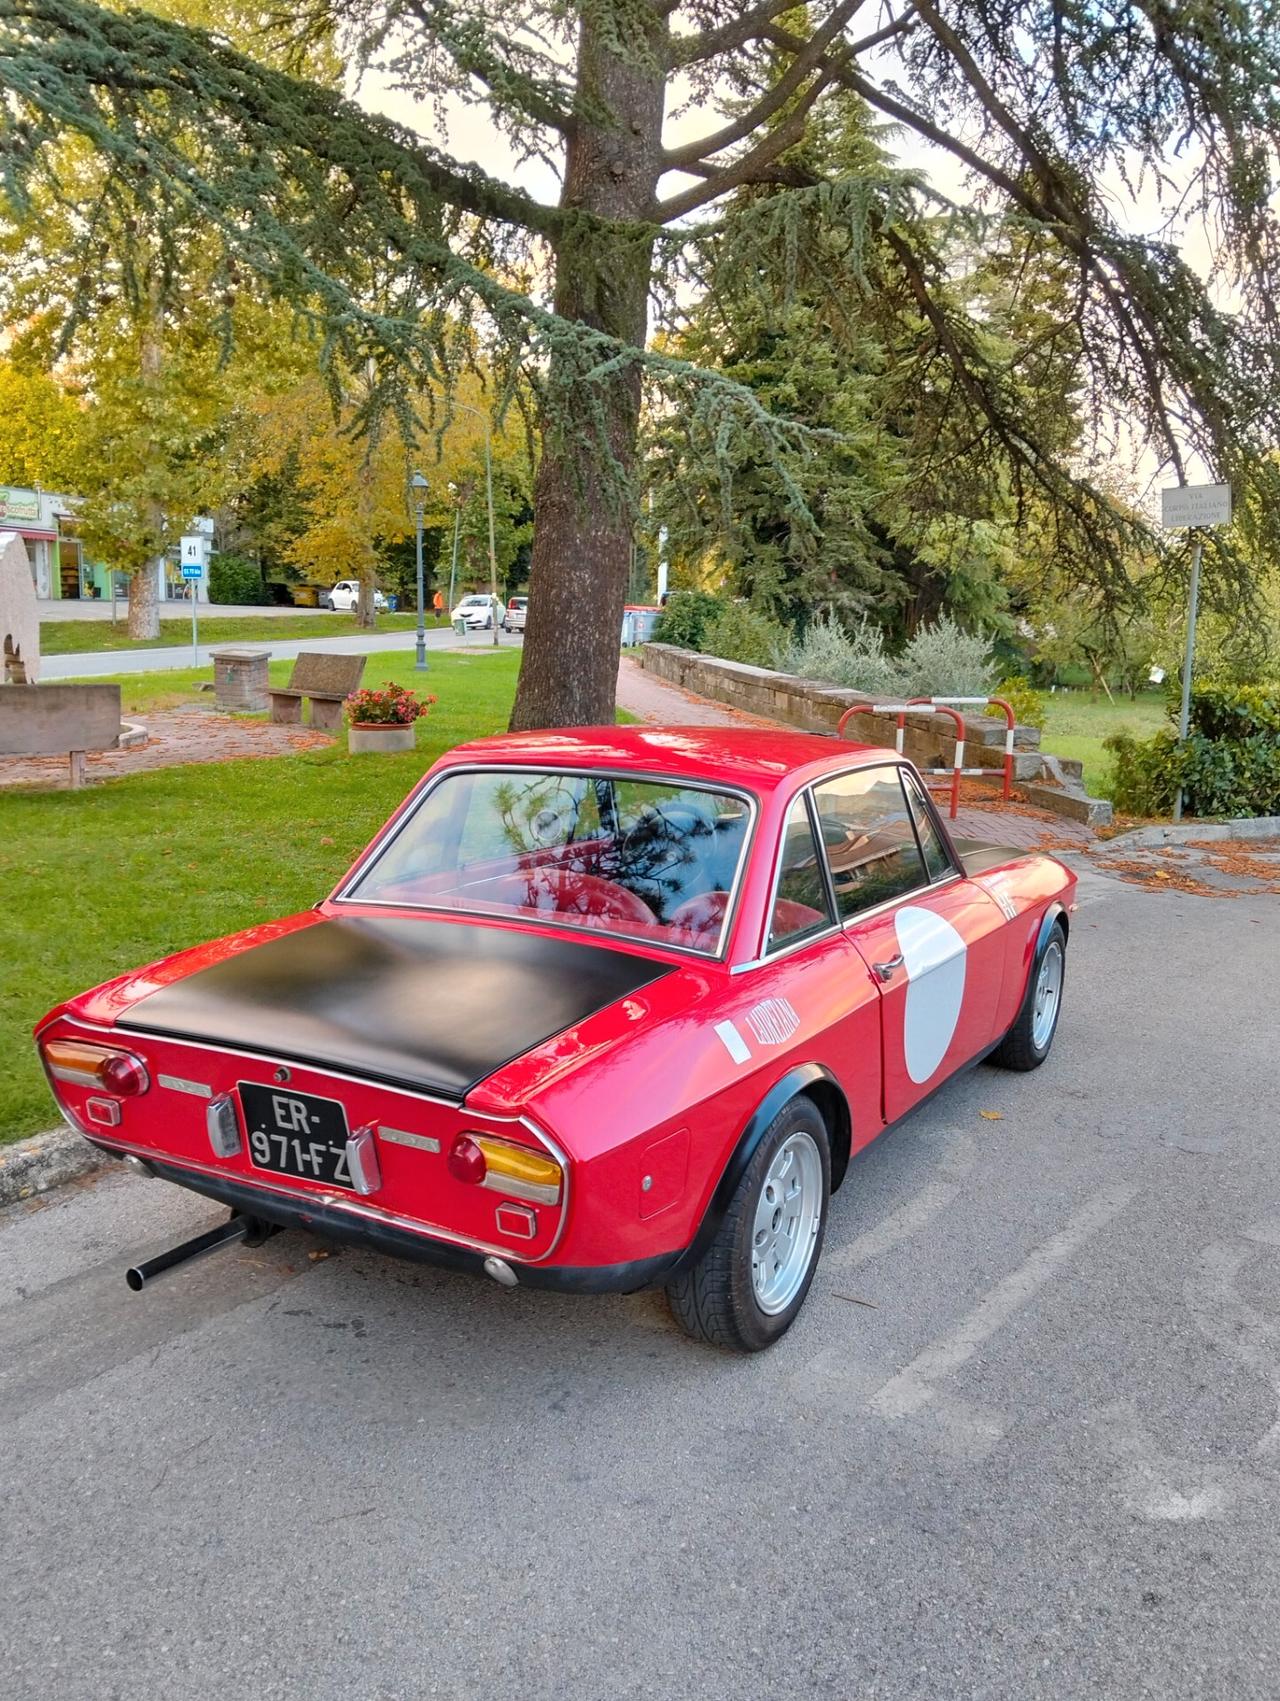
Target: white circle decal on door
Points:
(933, 954)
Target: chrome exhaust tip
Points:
(501, 1272)
(138, 1166)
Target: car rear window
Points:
(641, 859)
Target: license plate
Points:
(296, 1133)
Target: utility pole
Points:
(419, 486)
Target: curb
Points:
(1250, 827)
(44, 1161)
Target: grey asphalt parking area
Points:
(1023, 1441)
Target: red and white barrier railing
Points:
(944, 706)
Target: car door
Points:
(932, 939)
(810, 975)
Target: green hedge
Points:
(685, 619)
(233, 579)
(1230, 764)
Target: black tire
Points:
(1019, 1049)
(715, 1300)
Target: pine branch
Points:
(493, 60)
(751, 168)
(750, 121)
(726, 38)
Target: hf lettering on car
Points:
(596, 1010)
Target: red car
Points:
(596, 1010)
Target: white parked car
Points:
(513, 619)
(345, 596)
(477, 610)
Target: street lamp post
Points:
(418, 485)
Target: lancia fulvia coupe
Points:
(596, 1010)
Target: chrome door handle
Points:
(885, 970)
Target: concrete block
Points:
(52, 720)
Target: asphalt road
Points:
(98, 664)
(1040, 1459)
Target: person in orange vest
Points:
(437, 603)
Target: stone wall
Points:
(929, 740)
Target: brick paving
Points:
(658, 702)
(174, 737)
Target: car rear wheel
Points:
(1028, 1041)
(747, 1288)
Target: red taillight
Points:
(85, 1065)
(466, 1161)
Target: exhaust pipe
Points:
(239, 1228)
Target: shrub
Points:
(685, 619)
(1027, 703)
(1230, 764)
(943, 660)
(854, 659)
(1231, 712)
(738, 633)
(234, 578)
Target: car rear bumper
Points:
(334, 1223)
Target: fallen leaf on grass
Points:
(991, 1115)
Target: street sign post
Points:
(194, 556)
(1192, 506)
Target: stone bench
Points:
(59, 720)
(326, 679)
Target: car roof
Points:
(761, 759)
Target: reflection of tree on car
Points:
(662, 844)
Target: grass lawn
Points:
(1076, 722)
(79, 637)
(114, 876)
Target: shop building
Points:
(60, 567)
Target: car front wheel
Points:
(1027, 1043)
(747, 1288)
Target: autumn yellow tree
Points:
(41, 429)
(352, 474)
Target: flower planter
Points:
(366, 736)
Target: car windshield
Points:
(474, 602)
(637, 858)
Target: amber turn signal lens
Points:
(85, 1065)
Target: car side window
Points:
(936, 859)
(801, 904)
(869, 841)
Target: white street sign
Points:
(194, 551)
(202, 524)
(1196, 505)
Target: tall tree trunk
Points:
(144, 582)
(144, 599)
(582, 531)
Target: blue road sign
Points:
(196, 572)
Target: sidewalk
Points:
(99, 608)
(658, 703)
